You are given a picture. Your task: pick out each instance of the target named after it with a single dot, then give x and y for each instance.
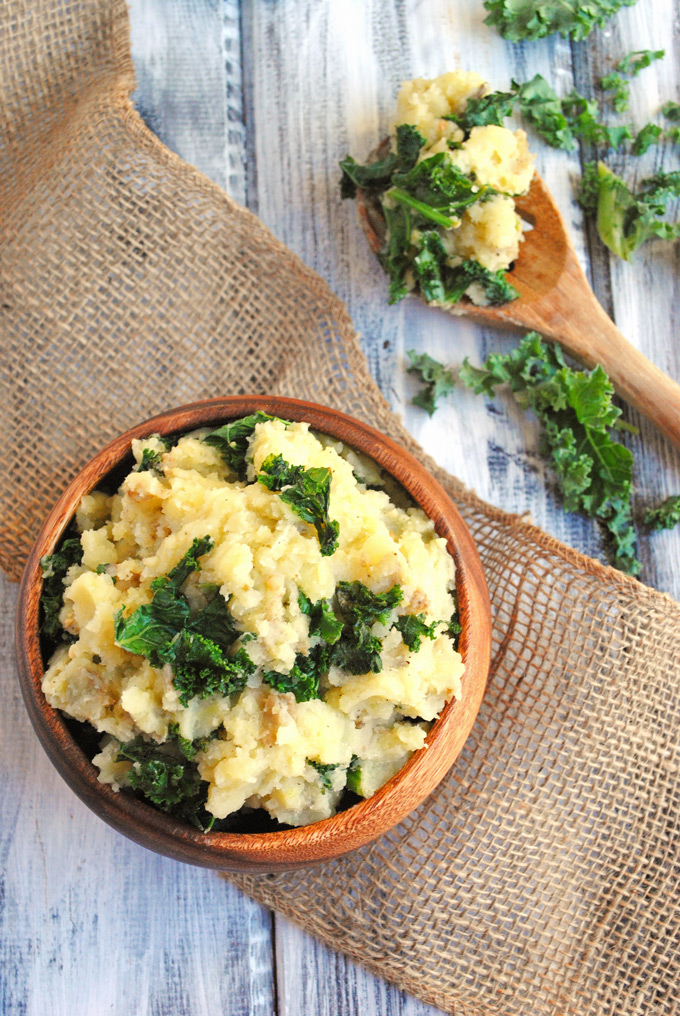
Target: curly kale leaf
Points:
(166, 776)
(197, 648)
(577, 414)
(626, 219)
(445, 284)
(436, 190)
(376, 176)
(671, 110)
(54, 568)
(517, 20)
(628, 67)
(307, 491)
(487, 109)
(414, 629)
(439, 381)
(324, 769)
(304, 676)
(323, 620)
(664, 516)
(358, 650)
(454, 627)
(202, 667)
(232, 441)
(560, 121)
(647, 136)
(151, 460)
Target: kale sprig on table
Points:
(418, 199)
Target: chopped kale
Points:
(439, 381)
(454, 627)
(577, 414)
(202, 667)
(488, 109)
(232, 440)
(324, 769)
(358, 650)
(377, 175)
(625, 219)
(307, 491)
(445, 284)
(560, 121)
(646, 137)
(197, 648)
(664, 516)
(517, 20)
(54, 568)
(671, 110)
(414, 629)
(436, 190)
(305, 674)
(619, 87)
(166, 776)
(628, 67)
(636, 61)
(151, 459)
(323, 620)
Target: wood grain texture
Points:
(265, 97)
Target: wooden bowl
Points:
(359, 824)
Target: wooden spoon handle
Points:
(587, 332)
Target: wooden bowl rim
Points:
(348, 829)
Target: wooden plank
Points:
(187, 57)
(92, 923)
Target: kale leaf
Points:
(307, 491)
(577, 414)
(358, 650)
(487, 109)
(630, 66)
(151, 459)
(439, 381)
(377, 175)
(197, 648)
(324, 769)
(636, 61)
(454, 627)
(323, 620)
(625, 219)
(647, 136)
(232, 440)
(560, 121)
(54, 568)
(414, 628)
(534, 19)
(166, 776)
(671, 110)
(304, 676)
(664, 516)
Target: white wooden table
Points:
(265, 97)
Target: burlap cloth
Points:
(542, 876)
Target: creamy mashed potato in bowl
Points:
(260, 622)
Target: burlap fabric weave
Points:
(543, 875)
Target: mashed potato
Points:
(489, 231)
(282, 713)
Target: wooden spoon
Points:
(557, 301)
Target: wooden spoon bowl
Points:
(359, 824)
(557, 301)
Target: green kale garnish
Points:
(671, 110)
(439, 381)
(307, 491)
(54, 568)
(577, 414)
(151, 459)
(232, 440)
(630, 66)
(323, 620)
(625, 219)
(646, 137)
(358, 650)
(444, 284)
(534, 19)
(166, 776)
(324, 769)
(414, 628)
(197, 648)
(560, 121)
(664, 516)
(304, 676)
(480, 112)
(377, 175)
(454, 627)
